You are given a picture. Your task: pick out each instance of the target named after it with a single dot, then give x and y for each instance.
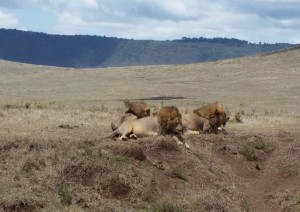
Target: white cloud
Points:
(7, 20)
(256, 20)
(78, 5)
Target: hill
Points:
(259, 83)
(54, 156)
(95, 51)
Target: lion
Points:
(169, 118)
(115, 123)
(195, 124)
(136, 110)
(210, 110)
(165, 121)
(139, 109)
(207, 119)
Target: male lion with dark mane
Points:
(208, 118)
(165, 121)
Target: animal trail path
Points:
(257, 184)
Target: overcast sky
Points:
(256, 21)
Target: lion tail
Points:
(112, 135)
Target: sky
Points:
(266, 21)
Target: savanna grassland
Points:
(54, 155)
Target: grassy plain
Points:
(53, 156)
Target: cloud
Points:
(256, 20)
(62, 5)
(7, 20)
(18, 3)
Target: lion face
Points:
(211, 110)
(139, 109)
(169, 119)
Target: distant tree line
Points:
(232, 41)
(101, 51)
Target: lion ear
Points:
(199, 112)
(196, 111)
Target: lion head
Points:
(214, 112)
(139, 109)
(169, 119)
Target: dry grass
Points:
(54, 157)
(47, 167)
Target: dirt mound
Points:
(128, 150)
(243, 171)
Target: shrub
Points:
(65, 196)
(238, 117)
(126, 103)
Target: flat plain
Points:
(53, 154)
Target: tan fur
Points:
(210, 110)
(207, 118)
(195, 124)
(136, 110)
(215, 112)
(140, 109)
(166, 121)
(116, 122)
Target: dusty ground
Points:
(54, 157)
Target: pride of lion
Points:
(138, 122)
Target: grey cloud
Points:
(10, 4)
(17, 3)
(268, 9)
(168, 19)
(134, 9)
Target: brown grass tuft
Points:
(128, 150)
(166, 144)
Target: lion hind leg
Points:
(113, 135)
(123, 138)
(133, 136)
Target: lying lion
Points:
(139, 109)
(210, 110)
(166, 121)
(136, 110)
(115, 123)
(194, 124)
(207, 122)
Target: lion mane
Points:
(139, 109)
(169, 119)
(214, 112)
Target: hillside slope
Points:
(95, 51)
(265, 82)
